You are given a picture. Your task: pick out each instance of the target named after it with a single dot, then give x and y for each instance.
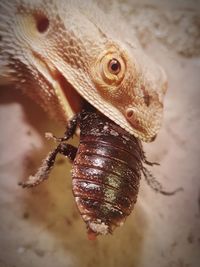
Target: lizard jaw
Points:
(69, 99)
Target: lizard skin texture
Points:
(58, 53)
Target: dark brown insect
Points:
(107, 167)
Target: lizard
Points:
(62, 53)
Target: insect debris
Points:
(107, 167)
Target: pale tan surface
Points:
(41, 227)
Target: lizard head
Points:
(61, 52)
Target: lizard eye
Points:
(114, 66)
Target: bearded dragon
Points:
(60, 52)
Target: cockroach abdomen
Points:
(106, 173)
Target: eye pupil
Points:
(114, 66)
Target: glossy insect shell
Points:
(106, 173)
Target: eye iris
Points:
(114, 66)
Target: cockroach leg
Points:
(145, 159)
(43, 172)
(155, 185)
(150, 163)
(48, 163)
(71, 128)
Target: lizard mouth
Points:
(68, 96)
(64, 94)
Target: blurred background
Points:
(42, 227)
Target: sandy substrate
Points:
(42, 227)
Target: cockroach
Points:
(107, 167)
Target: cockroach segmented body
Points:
(107, 167)
(106, 173)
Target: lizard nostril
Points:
(42, 23)
(129, 113)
